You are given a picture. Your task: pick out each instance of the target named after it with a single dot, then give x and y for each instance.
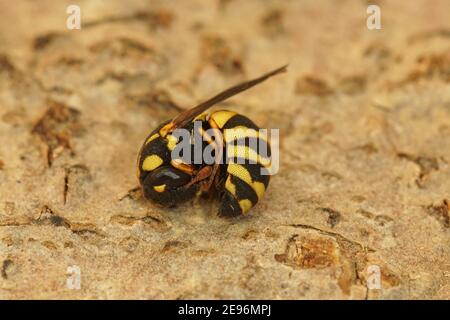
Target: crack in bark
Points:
(332, 234)
(6, 264)
(72, 172)
(334, 216)
(156, 222)
(66, 185)
(425, 164)
(48, 217)
(157, 19)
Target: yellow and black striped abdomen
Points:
(247, 153)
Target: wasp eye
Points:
(168, 186)
(168, 176)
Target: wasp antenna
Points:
(186, 116)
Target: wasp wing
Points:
(187, 116)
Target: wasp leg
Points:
(200, 175)
(182, 167)
(217, 143)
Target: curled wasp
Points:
(169, 180)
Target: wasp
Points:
(168, 180)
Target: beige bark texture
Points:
(364, 179)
